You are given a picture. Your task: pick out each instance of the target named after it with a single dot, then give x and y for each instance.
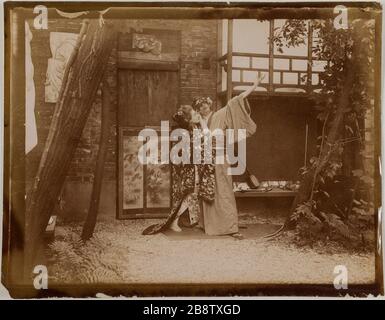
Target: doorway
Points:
(145, 99)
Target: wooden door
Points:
(146, 97)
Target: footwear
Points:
(174, 226)
(238, 236)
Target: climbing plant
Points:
(334, 200)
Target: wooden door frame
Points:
(145, 212)
(127, 60)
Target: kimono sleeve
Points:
(238, 116)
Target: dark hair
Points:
(182, 117)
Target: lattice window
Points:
(249, 50)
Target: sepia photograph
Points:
(192, 149)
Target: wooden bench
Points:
(275, 192)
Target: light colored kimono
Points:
(221, 216)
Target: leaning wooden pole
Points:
(80, 84)
(89, 225)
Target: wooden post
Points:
(80, 84)
(271, 57)
(378, 83)
(229, 81)
(89, 225)
(14, 151)
(219, 66)
(310, 57)
(306, 143)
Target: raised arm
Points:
(245, 93)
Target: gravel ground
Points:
(156, 259)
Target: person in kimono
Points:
(220, 217)
(192, 183)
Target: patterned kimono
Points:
(220, 217)
(192, 184)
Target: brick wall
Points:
(197, 77)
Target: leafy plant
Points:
(83, 262)
(344, 102)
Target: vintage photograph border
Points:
(14, 145)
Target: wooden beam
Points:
(267, 94)
(310, 56)
(89, 225)
(151, 10)
(14, 152)
(275, 193)
(271, 56)
(80, 84)
(266, 55)
(252, 69)
(378, 83)
(219, 54)
(229, 82)
(148, 65)
(135, 55)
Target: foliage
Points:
(83, 262)
(293, 32)
(337, 202)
